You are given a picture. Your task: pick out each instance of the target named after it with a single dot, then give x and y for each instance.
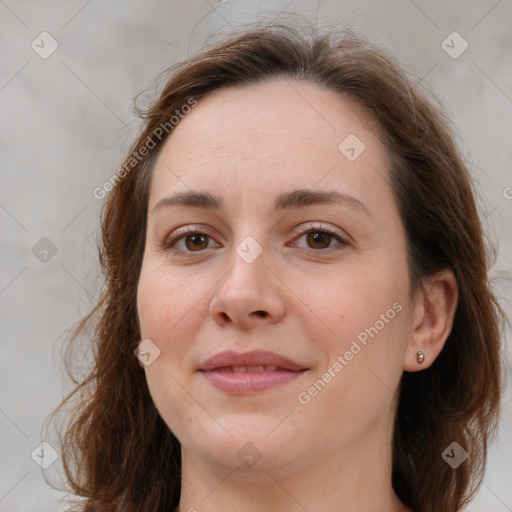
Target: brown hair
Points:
(117, 452)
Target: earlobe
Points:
(434, 312)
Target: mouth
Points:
(249, 372)
(248, 369)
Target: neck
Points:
(339, 480)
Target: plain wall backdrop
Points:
(70, 70)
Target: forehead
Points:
(280, 132)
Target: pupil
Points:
(318, 237)
(197, 240)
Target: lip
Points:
(249, 372)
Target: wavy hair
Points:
(117, 452)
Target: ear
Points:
(433, 314)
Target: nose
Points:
(249, 295)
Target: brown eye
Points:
(196, 242)
(188, 242)
(318, 239)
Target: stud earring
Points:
(420, 357)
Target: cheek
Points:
(161, 303)
(367, 317)
(162, 300)
(347, 300)
(170, 311)
(356, 389)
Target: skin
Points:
(247, 145)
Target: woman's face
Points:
(279, 303)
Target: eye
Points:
(187, 240)
(320, 239)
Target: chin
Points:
(250, 442)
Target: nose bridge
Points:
(250, 232)
(248, 263)
(248, 291)
(250, 249)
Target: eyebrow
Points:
(288, 200)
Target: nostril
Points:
(261, 313)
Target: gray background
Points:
(66, 120)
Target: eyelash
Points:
(168, 244)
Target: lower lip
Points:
(249, 382)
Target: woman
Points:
(293, 253)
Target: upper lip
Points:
(230, 358)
